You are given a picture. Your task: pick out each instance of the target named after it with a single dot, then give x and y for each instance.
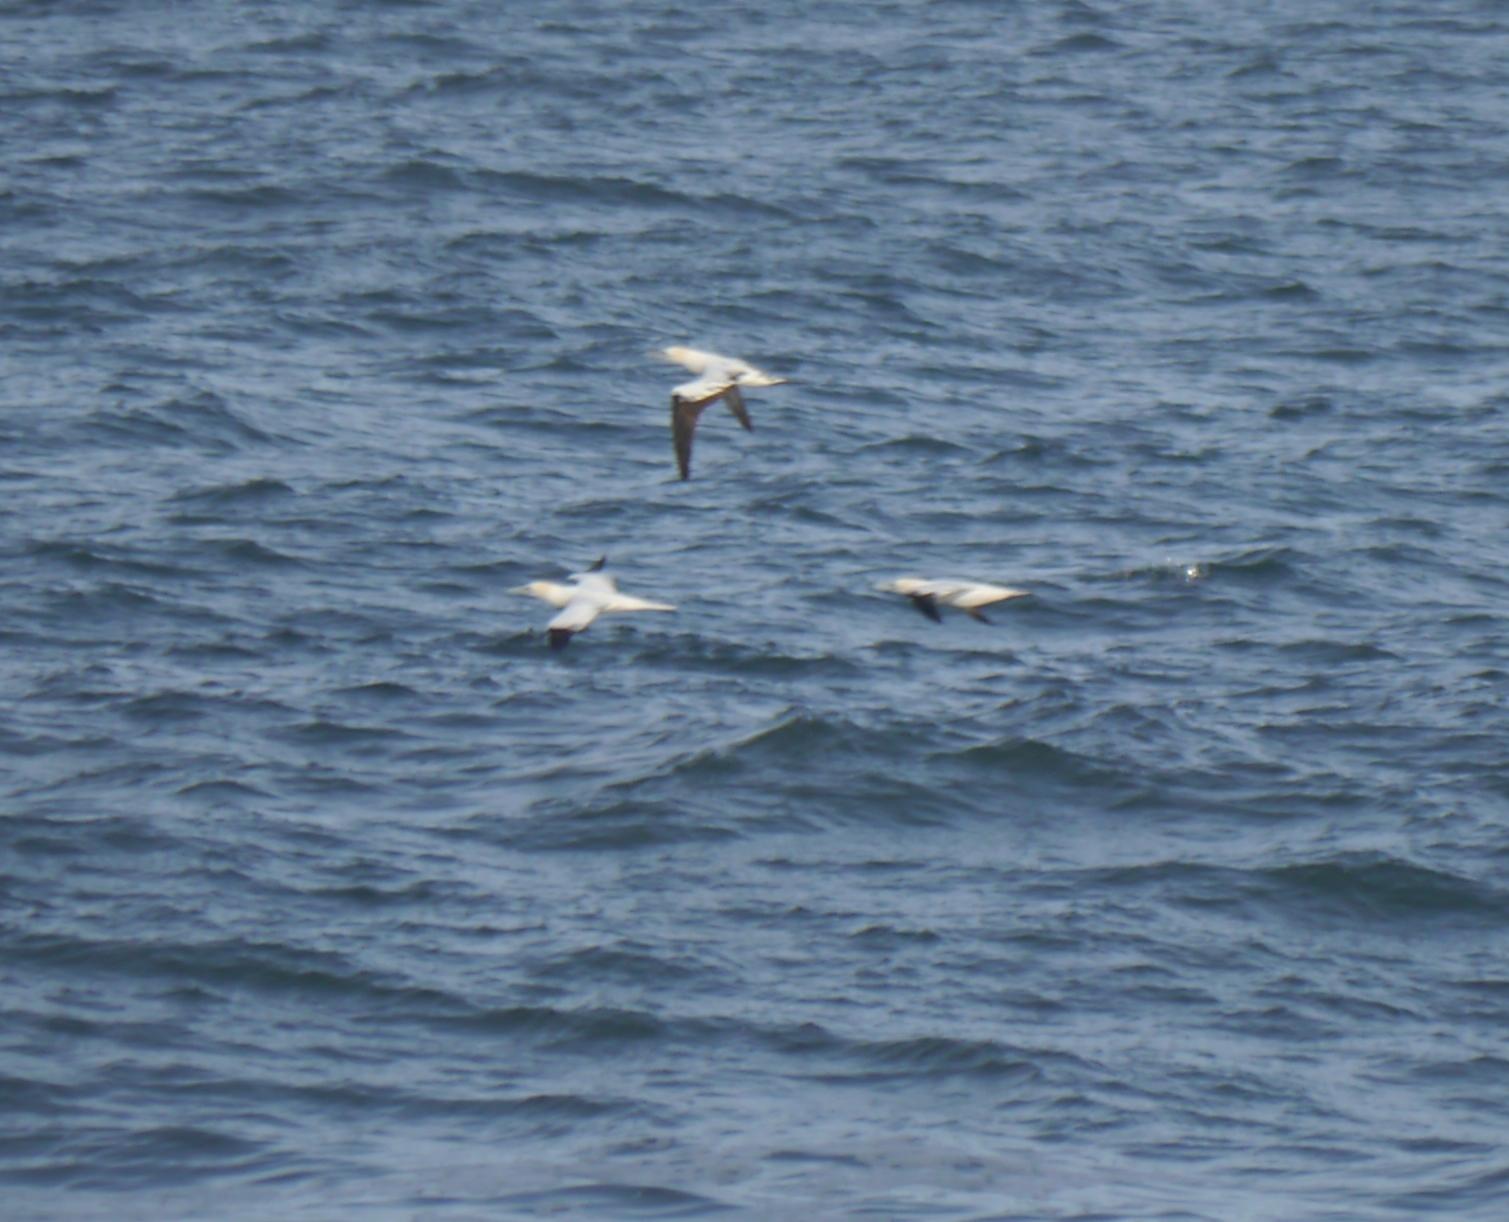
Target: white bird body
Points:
(968, 596)
(588, 596)
(719, 377)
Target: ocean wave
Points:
(1381, 887)
(225, 792)
(920, 444)
(254, 491)
(102, 95)
(619, 191)
(1031, 760)
(202, 420)
(326, 732)
(94, 556)
(243, 552)
(609, 823)
(326, 325)
(624, 961)
(1081, 44)
(614, 1200)
(925, 1057)
(699, 651)
(317, 41)
(1349, 887)
(267, 966)
(159, 1156)
(427, 174)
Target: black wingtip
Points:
(928, 605)
(560, 638)
(982, 617)
(597, 564)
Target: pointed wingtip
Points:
(928, 605)
(560, 638)
(597, 565)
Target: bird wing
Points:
(984, 595)
(599, 585)
(735, 403)
(705, 389)
(627, 602)
(693, 358)
(917, 587)
(684, 417)
(687, 404)
(577, 614)
(748, 375)
(928, 605)
(730, 368)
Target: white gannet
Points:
(968, 596)
(719, 377)
(588, 596)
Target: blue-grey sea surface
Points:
(1180, 890)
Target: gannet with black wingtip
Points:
(968, 596)
(588, 596)
(719, 377)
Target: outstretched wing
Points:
(687, 404)
(693, 358)
(684, 417)
(735, 403)
(928, 605)
(575, 615)
(627, 602)
(983, 595)
(729, 368)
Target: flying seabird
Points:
(719, 377)
(588, 596)
(968, 596)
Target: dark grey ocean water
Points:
(328, 891)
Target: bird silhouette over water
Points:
(719, 377)
(967, 596)
(588, 595)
